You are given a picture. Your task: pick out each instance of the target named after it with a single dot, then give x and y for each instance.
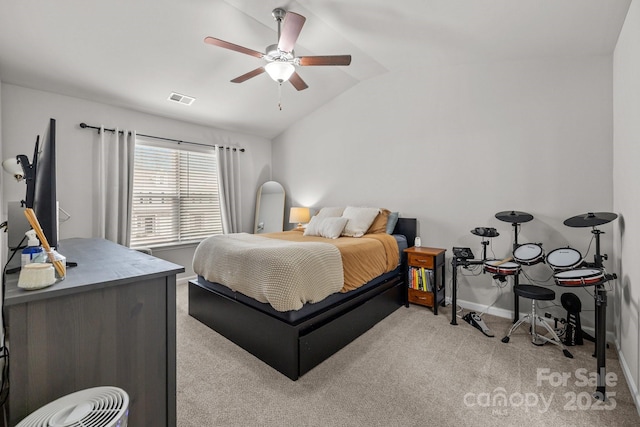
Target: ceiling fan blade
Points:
(290, 31)
(248, 75)
(325, 60)
(297, 81)
(221, 43)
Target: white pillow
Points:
(329, 227)
(330, 212)
(360, 219)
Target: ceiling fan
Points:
(281, 60)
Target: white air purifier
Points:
(93, 407)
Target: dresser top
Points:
(101, 263)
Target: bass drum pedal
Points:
(476, 321)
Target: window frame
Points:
(181, 190)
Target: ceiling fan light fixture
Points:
(279, 71)
(280, 58)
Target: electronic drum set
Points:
(569, 266)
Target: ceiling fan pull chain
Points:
(280, 96)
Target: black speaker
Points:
(571, 302)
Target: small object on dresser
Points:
(32, 250)
(36, 276)
(59, 261)
(35, 224)
(418, 242)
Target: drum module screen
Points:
(463, 253)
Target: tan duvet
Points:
(363, 258)
(288, 269)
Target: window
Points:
(175, 195)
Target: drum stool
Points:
(536, 293)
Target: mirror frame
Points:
(270, 200)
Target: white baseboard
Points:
(184, 280)
(494, 311)
(633, 387)
(508, 314)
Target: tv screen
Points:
(29, 173)
(45, 203)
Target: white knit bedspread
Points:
(281, 273)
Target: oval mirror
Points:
(269, 208)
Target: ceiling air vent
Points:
(181, 99)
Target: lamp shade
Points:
(12, 167)
(279, 71)
(299, 215)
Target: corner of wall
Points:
(626, 106)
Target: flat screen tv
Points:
(45, 202)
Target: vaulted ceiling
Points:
(134, 53)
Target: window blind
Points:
(175, 196)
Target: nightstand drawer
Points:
(419, 260)
(420, 297)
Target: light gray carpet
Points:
(412, 369)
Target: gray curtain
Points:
(114, 185)
(229, 188)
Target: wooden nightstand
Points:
(426, 277)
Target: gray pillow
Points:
(391, 222)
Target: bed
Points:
(295, 341)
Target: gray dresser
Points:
(112, 321)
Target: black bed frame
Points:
(295, 348)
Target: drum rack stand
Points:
(464, 262)
(600, 297)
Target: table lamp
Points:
(299, 215)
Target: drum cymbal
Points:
(590, 219)
(514, 216)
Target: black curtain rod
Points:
(178, 141)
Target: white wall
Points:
(454, 145)
(3, 177)
(626, 176)
(26, 113)
(3, 239)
